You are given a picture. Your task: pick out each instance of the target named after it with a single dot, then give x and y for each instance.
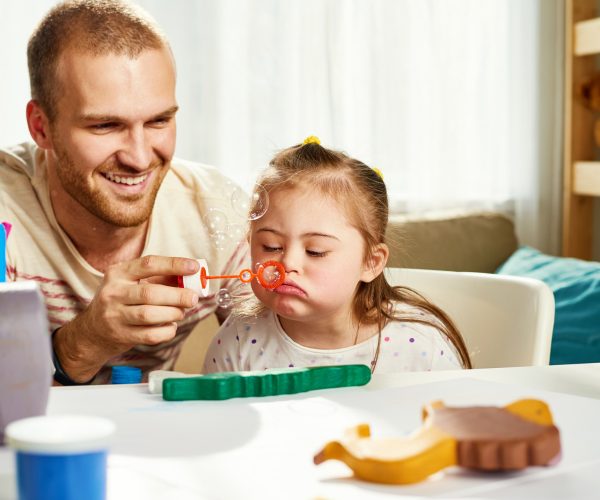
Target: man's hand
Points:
(134, 305)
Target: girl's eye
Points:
(314, 253)
(271, 249)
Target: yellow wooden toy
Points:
(478, 437)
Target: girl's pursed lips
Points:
(289, 286)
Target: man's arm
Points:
(126, 311)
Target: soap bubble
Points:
(237, 232)
(224, 298)
(271, 274)
(228, 187)
(221, 240)
(252, 207)
(246, 276)
(215, 221)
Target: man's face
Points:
(114, 133)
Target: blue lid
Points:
(126, 375)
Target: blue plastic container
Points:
(61, 457)
(126, 375)
(61, 477)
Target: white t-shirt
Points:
(260, 343)
(39, 250)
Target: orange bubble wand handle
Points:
(246, 275)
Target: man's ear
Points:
(376, 262)
(38, 124)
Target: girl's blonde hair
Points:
(361, 190)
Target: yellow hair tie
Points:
(312, 139)
(378, 172)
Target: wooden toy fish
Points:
(479, 437)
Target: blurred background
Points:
(457, 102)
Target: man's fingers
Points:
(157, 265)
(152, 336)
(151, 315)
(162, 280)
(159, 295)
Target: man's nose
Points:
(136, 151)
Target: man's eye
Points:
(103, 126)
(314, 253)
(161, 121)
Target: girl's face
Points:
(321, 252)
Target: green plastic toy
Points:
(219, 386)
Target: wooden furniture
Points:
(581, 181)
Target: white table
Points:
(263, 448)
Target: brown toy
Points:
(478, 437)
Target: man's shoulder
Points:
(17, 171)
(194, 174)
(17, 160)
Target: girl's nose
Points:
(291, 261)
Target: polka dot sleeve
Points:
(445, 356)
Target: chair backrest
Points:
(504, 320)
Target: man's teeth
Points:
(125, 180)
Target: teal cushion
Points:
(576, 287)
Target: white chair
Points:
(504, 320)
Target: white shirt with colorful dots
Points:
(261, 343)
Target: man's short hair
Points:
(94, 27)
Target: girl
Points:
(326, 224)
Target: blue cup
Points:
(126, 375)
(61, 457)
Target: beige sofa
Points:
(477, 242)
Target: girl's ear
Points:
(376, 263)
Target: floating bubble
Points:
(240, 201)
(271, 274)
(221, 240)
(215, 221)
(237, 232)
(228, 187)
(224, 298)
(259, 203)
(252, 207)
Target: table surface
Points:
(263, 447)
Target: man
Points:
(103, 219)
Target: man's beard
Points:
(132, 210)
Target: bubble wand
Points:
(245, 276)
